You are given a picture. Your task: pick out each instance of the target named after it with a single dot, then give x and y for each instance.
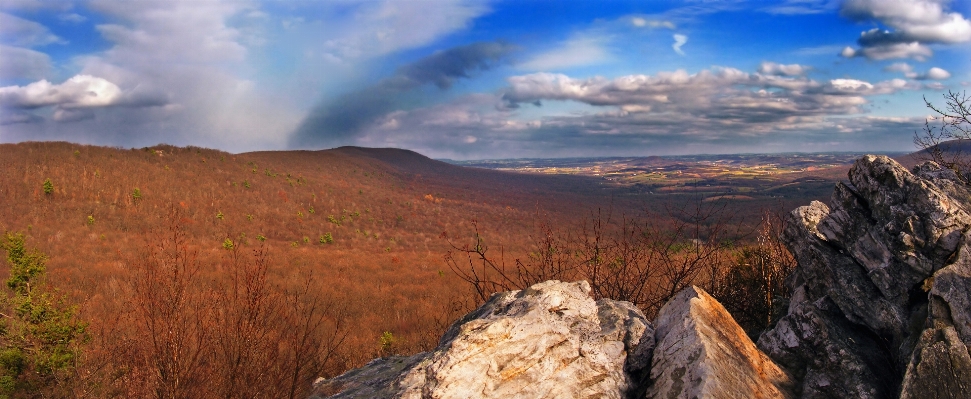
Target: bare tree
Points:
(236, 336)
(946, 134)
(248, 313)
(648, 260)
(172, 327)
(644, 260)
(549, 260)
(754, 288)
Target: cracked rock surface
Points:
(881, 305)
(551, 340)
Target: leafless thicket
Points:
(755, 289)
(644, 260)
(949, 142)
(234, 335)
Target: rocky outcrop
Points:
(881, 308)
(702, 353)
(881, 301)
(551, 340)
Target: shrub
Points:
(48, 187)
(219, 215)
(387, 343)
(228, 245)
(327, 238)
(41, 337)
(90, 220)
(136, 195)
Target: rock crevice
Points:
(869, 318)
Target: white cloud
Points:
(926, 21)
(818, 50)
(375, 28)
(915, 23)
(73, 18)
(35, 5)
(679, 40)
(850, 85)
(934, 73)
(178, 66)
(771, 68)
(162, 32)
(22, 63)
(715, 97)
(913, 50)
(192, 72)
(720, 109)
(21, 32)
(641, 22)
(81, 91)
(801, 7)
(901, 67)
(72, 115)
(579, 51)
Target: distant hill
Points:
(952, 148)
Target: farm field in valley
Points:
(731, 176)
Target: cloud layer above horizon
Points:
(478, 79)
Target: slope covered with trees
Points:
(189, 266)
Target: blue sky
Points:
(468, 79)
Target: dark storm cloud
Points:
(339, 121)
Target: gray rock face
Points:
(702, 353)
(881, 294)
(548, 341)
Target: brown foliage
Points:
(234, 335)
(281, 296)
(645, 260)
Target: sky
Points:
(470, 79)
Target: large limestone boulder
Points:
(551, 340)
(881, 298)
(703, 353)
